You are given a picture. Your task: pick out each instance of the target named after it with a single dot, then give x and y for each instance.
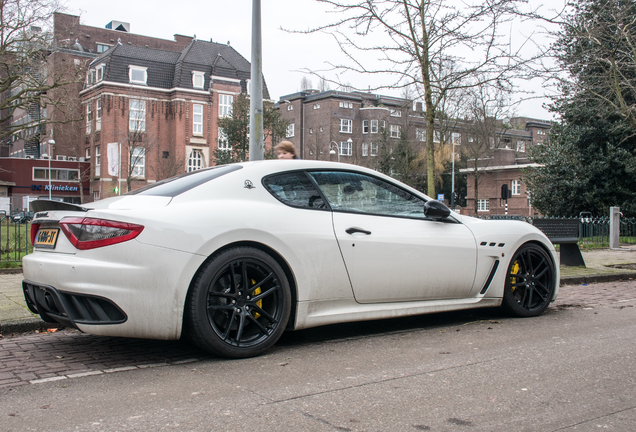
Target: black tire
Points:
(239, 304)
(530, 282)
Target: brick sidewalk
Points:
(68, 354)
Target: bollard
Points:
(615, 227)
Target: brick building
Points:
(152, 113)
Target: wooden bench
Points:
(565, 233)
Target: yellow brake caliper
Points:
(514, 270)
(259, 303)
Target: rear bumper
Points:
(71, 309)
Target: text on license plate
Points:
(47, 238)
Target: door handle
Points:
(357, 230)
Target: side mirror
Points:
(436, 210)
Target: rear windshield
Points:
(177, 185)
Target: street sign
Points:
(440, 197)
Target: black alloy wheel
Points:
(530, 282)
(239, 304)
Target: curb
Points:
(596, 278)
(26, 325)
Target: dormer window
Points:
(137, 74)
(198, 79)
(99, 72)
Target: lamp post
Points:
(51, 143)
(452, 200)
(333, 143)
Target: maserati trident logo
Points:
(248, 184)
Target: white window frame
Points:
(346, 126)
(492, 142)
(98, 165)
(101, 46)
(515, 187)
(99, 72)
(137, 115)
(483, 205)
(395, 131)
(290, 107)
(89, 118)
(225, 105)
(98, 114)
(365, 149)
(365, 126)
(197, 119)
(224, 142)
(345, 148)
(456, 138)
(290, 131)
(87, 153)
(420, 135)
(138, 154)
(395, 113)
(374, 126)
(196, 76)
(374, 149)
(195, 160)
(143, 70)
(521, 146)
(345, 105)
(316, 106)
(436, 136)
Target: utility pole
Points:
(257, 148)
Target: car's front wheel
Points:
(239, 303)
(530, 282)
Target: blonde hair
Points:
(286, 146)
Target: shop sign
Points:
(55, 188)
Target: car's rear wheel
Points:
(239, 304)
(530, 282)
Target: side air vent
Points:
(490, 277)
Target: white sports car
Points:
(234, 255)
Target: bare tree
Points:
(435, 45)
(29, 82)
(305, 83)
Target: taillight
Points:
(34, 232)
(87, 233)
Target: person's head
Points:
(285, 150)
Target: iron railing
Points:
(15, 238)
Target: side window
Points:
(295, 189)
(359, 193)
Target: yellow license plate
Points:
(47, 238)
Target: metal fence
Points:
(592, 230)
(15, 238)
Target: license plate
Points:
(47, 238)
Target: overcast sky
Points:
(284, 54)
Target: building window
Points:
(365, 149)
(98, 114)
(420, 135)
(225, 105)
(521, 146)
(195, 160)
(345, 148)
(395, 113)
(87, 153)
(316, 106)
(290, 131)
(320, 128)
(224, 143)
(346, 125)
(197, 119)
(483, 205)
(365, 126)
(395, 131)
(89, 117)
(436, 136)
(290, 107)
(138, 162)
(516, 187)
(95, 195)
(137, 120)
(137, 74)
(374, 149)
(97, 162)
(99, 72)
(71, 175)
(311, 130)
(198, 80)
(345, 105)
(374, 126)
(102, 48)
(492, 142)
(456, 138)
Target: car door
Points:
(392, 252)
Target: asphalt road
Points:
(572, 369)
